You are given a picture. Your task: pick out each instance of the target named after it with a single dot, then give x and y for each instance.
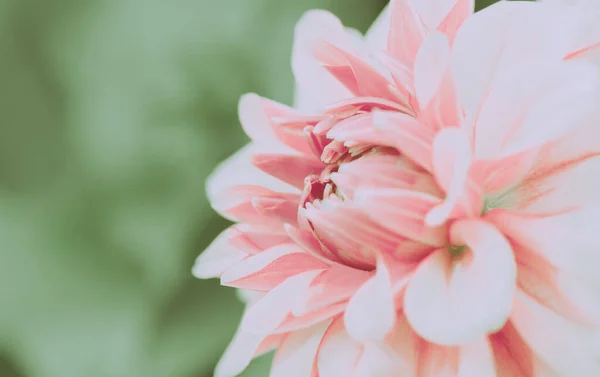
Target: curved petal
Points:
(403, 212)
(573, 343)
(338, 352)
(533, 93)
(377, 35)
(493, 40)
(513, 356)
(295, 356)
(455, 300)
(238, 170)
(371, 313)
(315, 87)
(451, 163)
(218, 257)
(266, 314)
(266, 270)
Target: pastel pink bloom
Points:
(429, 208)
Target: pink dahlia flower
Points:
(429, 207)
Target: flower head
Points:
(428, 208)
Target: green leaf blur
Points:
(112, 114)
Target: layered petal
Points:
(371, 313)
(455, 300)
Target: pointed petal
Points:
(291, 169)
(238, 170)
(283, 209)
(407, 32)
(267, 313)
(338, 352)
(217, 257)
(266, 270)
(452, 301)
(238, 354)
(337, 283)
(434, 84)
(315, 87)
(377, 35)
(382, 171)
(296, 355)
(404, 212)
(406, 134)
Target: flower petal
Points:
(266, 270)
(371, 313)
(572, 343)
(452, 162)
(403, 212)
(295, 356)
(533, 94)
(494, 39)
(315, 87)
(451, 302)
(217, 257)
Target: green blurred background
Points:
(112, 114)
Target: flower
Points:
(428, 208)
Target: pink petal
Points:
(315, 87)
(337, 283)
(431, 66)
(290, 169)
(379, 360)
(338, 352)
(382, 171)
(217, 257)
(283, 209)
(572, 343)
(451, 162)
(270, 311)
(306, 239)
(266, 270)
(433, 12)
(534, 93)
(407, 135)
(462, 10)
(403, 212)
(294, 323)
(371, 313)
(513, 357)
(377, 35)
(359, 76)
(476, 359)
(494, 40)
(453, 301)
(257, 116)
(568, 241)
(238, 170)
(407, 32)
(254, 238)
(238, 354)
(437, 361)
(434, 84)
(563, 292)
(345, 229)
(295, 357)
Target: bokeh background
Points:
(112, 114)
